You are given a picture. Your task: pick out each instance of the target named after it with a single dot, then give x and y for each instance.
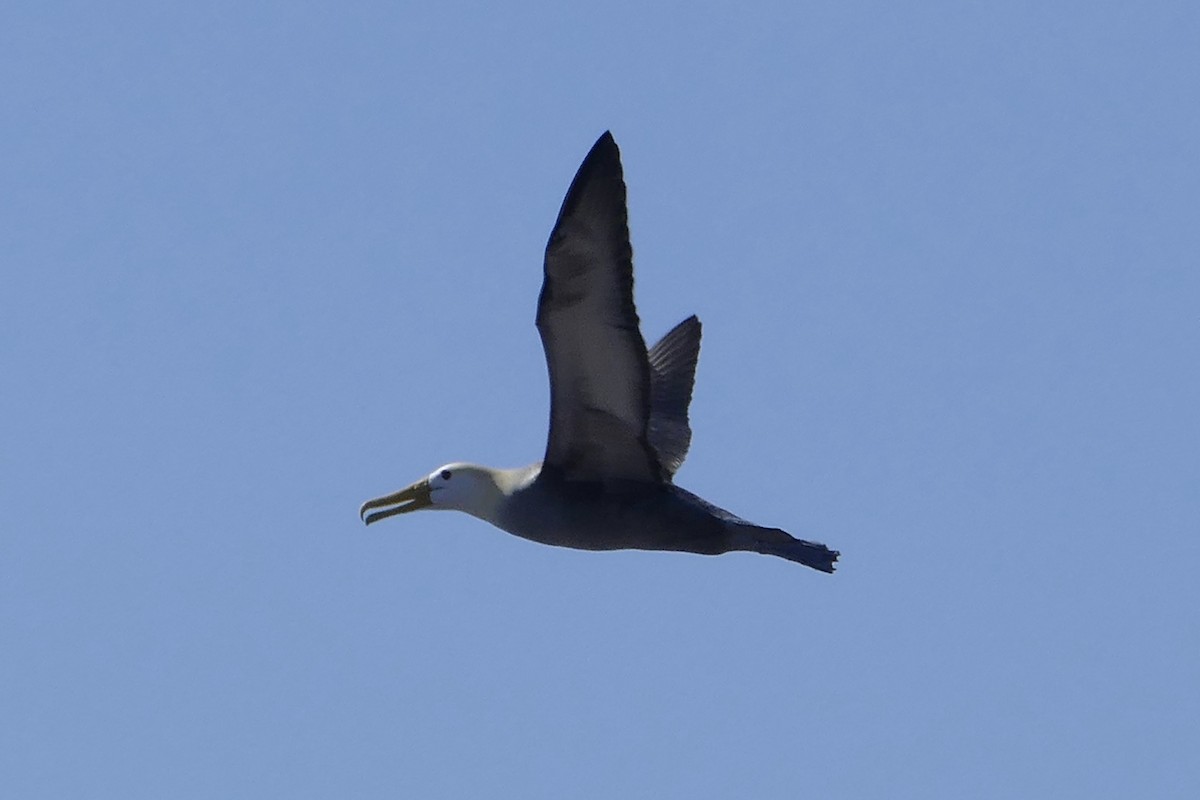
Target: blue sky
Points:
(262, 263)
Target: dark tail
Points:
(774, 542)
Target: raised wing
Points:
(672, 374)
(599, 373)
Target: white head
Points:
(458, 486)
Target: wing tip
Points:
(604, 148)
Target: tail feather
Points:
(775, 542)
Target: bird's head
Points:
(458, 486)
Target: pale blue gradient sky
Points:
(261, 263)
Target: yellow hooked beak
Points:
(413, 498)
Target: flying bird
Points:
(619, 425)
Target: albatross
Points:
(619, 425)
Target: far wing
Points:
(672, 375)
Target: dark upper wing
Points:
(599, 373)
(672, 373)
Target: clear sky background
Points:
(264, 261)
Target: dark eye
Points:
(445, 474)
